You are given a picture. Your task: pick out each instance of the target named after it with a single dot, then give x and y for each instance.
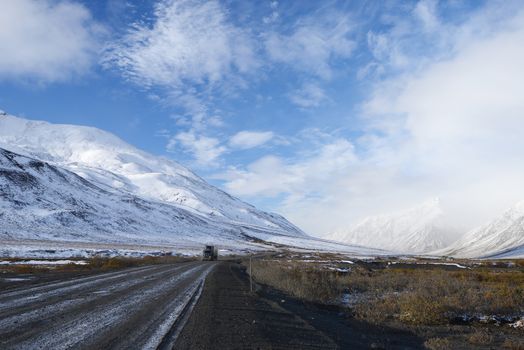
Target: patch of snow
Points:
(16, 279)
(44, 262)
(518, 324)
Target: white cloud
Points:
(250, 139)
(426, 12)
(270, 176)
(462, 119)
(192, 53)
(206, 150)
(46, 41)
(190, 41)
(273, 17)
(313, 44)
(309, 95)
(451, 127)
(196, 112)
(448, 124)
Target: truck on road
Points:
(210, 253)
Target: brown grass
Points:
(95, 263)
(437, 344)
(413, 296)
(123, 262)
(25, 269)
(513, 344)
(303, 282)
(481, 337)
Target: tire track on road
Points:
(134, 314)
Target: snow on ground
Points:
(430, 263)
(44, 262)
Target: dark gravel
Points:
(229, 316)
(124, 309)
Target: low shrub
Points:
(26, 269)
(421, 308)
(413, 296)
(437, 344)
(300, 281)
(481, 337)
(513, 344)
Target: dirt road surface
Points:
(229, 316)
(170, 307)
(127, 309)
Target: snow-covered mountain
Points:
(112, 164)
(41, 201)
(417, 230)
(75, 183)
(501, 237)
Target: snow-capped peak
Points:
(415, 230)
(503, 236)
(518, 208)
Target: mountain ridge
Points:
(502, 236)
(416, 230)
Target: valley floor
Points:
(296, 301)
(408, 303)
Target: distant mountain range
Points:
(499, 238)
(422, 230)
(416, 230)
(76, 183)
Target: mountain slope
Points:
(416, 230)
(501, 237)
(112, 164)
(42, 201)
(64, 183)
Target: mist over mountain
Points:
(416, 230)
(500, 237)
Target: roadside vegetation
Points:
(97, 263)
(408, 294)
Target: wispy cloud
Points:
(313, 44)
(272, 176)
(250, 139)
(309, 95)
(190, 52)
(206, 150)
(47, 41)
(274, 13)
(189, 41)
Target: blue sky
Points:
(325, 111)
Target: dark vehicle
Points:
(210, 253)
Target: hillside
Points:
(65, 183)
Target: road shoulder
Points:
(229, 316)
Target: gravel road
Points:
(229, 316)
(127, 309)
